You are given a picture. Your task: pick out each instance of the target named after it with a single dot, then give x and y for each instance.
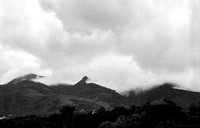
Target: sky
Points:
(120, 44)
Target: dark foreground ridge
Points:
(165, 115)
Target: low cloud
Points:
(119, 44)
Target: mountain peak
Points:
(168, 85)
(28, 77)
(82, 81)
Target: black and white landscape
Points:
(100, 63)
(27, 103)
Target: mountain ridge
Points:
(32, 97)
(167, 91)
(27, 77)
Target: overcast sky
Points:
(120, 44)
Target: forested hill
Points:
(24, 96)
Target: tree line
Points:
(167, 115)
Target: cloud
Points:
(119, 44)
(17, 62)
(90, 13)
(163, 26)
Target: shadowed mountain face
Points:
(26, 97)
(92, 91)
(167, 91)
(23, 96)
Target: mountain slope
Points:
(25, 96)
(29, 97)
(28, 77)
(92, 91)
(166, 91)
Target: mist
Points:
(119, 44)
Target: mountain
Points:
(167, 91)
(28, 77)
(24, 96)
(92, 91)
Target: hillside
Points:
(29, 97)
(24, 96)
(167, 91)
(92, 91)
